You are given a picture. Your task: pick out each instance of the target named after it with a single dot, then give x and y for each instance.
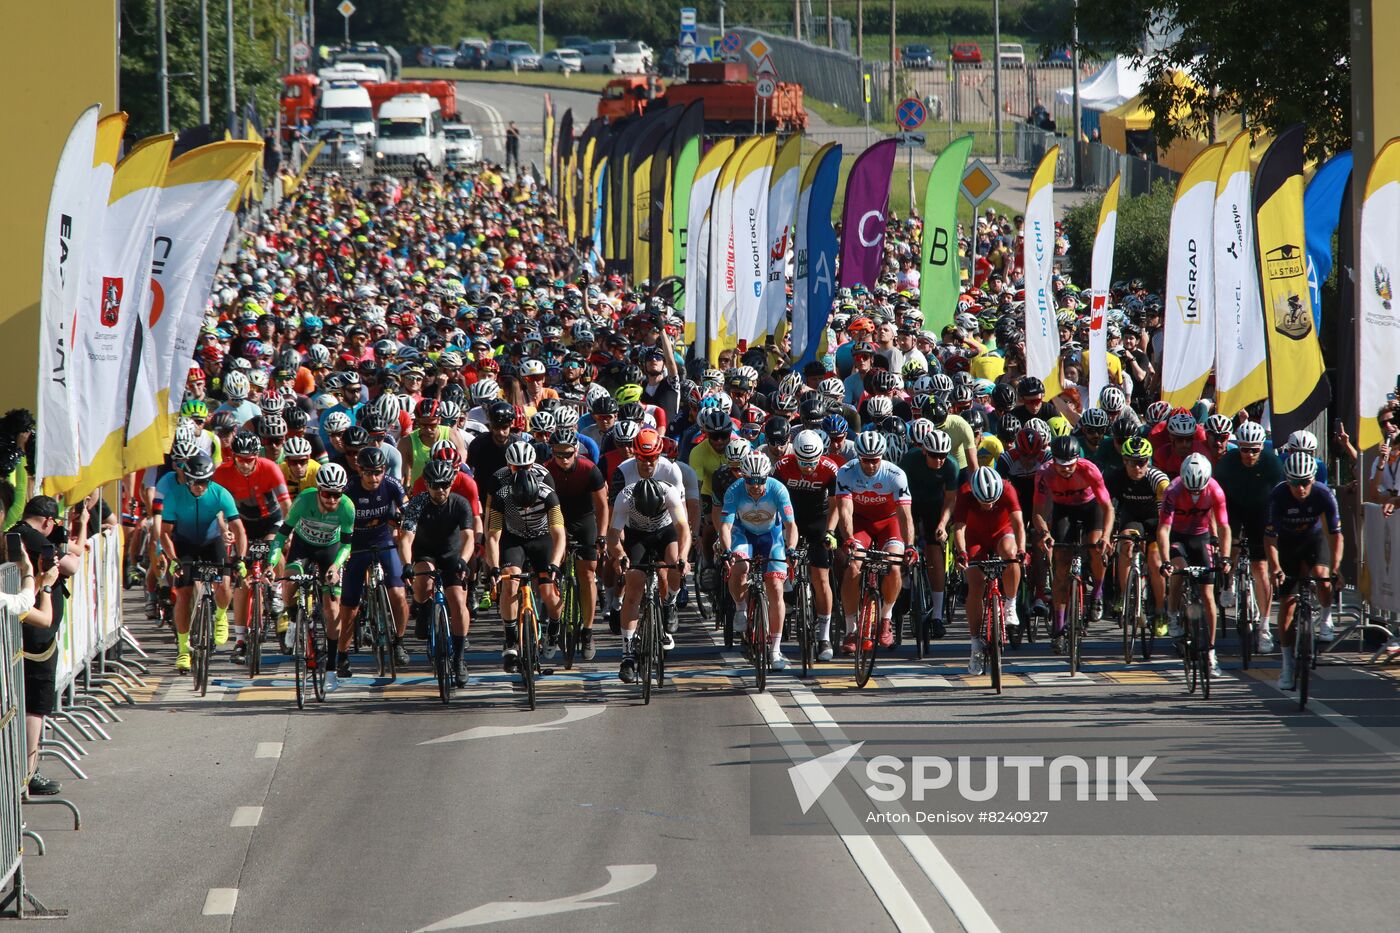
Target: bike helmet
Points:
(541, 421)
(1030, 442)
(564, 437)
(1219, 425)
(1065, 450)
(1125, 426)
(525, 486)
(181, 450)
(625, 432)
(1300, 465)
(532, 368)
(986, 485)
(246, 444)
(836, 425)
(355, 436)
(501, 414)
(1112, 400)
(808, 447)
(649, 498)
(1008, 428)
(1250, 434)
(884, 381)
(941, 384)
(1003, 397)
(870, 444)
(485, 391)
(1028, 386)
(1094, 419)
(450, 411)
(648, 443)
(199, 468)
(785, 404)
(1158, 411)
(712, 420)
(194, 408)
(1304, 441)
(1195, 472)
(833, 388)
(632, 411)
(1136, 448)
(920, 429)
(236, 386)
(879, 406)
(428, 409)
(1181, 424)
(938, 443)
(331, 477)
(604, 405)
(734, 451)
(222, 421)
(296, 447)
(440, 473)
(520, 453)
(337, 422)
(372, 459)
(755, 466)
(778, 430)
(272, 427)
(272, 404)
(387, 407)
(443, 450)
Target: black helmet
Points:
(1030, 385)
(975, 419)
(246, 444)
(778, 430)
(372, 458)
(1064, 449)
(221, 421)
(438, 472)
(374, 423)
(453, 392)
(199, 467)
(936, 411)
(501, 414)
(1003, 396)
(632, 411)
(524, 487)
(296, 417)
(649, 498)
(604, 405)
(812, 410)
(354, 436)
(885, 381)
(1010, 427)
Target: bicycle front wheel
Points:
(319, 652)
(644, 651)
(867, 632)
(529, 646)
(992, 608)
(757, 637)
(257, 621)
(299, 642)
(805, 630)
(442, 664)
(1246, 612)
(1132, 597)
(1202, 657)
(569, 617)
(1072, 611)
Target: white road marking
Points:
(268, 750)
(959, 897)
(620, 878)
(917, 682)
(246, 816)
(1060, 678)
(219, 902)
(571, 714)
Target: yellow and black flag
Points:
(1298, 387)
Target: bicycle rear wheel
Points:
(868, 617)
(319, 651)
(1188, 647)
(257, 609)
(992, 609)
(299, 642)
(1202, 657)
(1072, 611)
(442, 664)
(569, 617)
(805, 630)
(726, 612)
(529, 646)
(373, 610)
(919, 605)
(1245, 612)
(1302, 660)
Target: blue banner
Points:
(820, 246)
(1322, 207)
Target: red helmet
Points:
(648, 443)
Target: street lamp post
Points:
(163, 71)
(996, 74)
(232, 97)
(1074, 64)
(204, 61)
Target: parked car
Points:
(966, 53)
(615, 58)
(343, 150)
(512, 54)
(1060, 56)
(410, 132)
(917, 56)
(562, 61)
(575, 42)
(1012, 55)
(463, 145)
(471, 58)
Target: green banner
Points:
(939, 279)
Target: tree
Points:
(1140, 245)
(1278, 62)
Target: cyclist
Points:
(524, 527)
(259, 489)
(189, 527)
(1248, 474)
(1175, 440)
(298, 467)
(1303, 538)
(987, 523)
(378, 500)
(1192, 513)
(873, 495)
(647, 462)
(933, 487)
(487, 454)
(760, 509)
(1071, 502)
(648, 524)
(437, 531)
(810, 478)
(415, 448)
(1136, 491)
(583, 498)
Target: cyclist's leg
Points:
(975, 583)
(819, 567)
(850, 589)
(741, 551)
(586, 568)
(454, 593)
(398, 597)
(1011, 577)
(774, 576)
(892, 544)
(340, 630)
(423, 566)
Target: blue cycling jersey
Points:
(768, 511)
(1289, 516)
(375, 511)
(195, 518)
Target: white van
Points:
(352, 71)
(347, 101)
(410, 132)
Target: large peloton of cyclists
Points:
(418, 387)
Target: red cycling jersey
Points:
(985, 527)
(1080, 488)
(462, 484)
(809, 491)
(258, 493)
(1188, 515)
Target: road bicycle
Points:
(375, 620)
(1135, 621)
(650, 652)
(1246, 613)
(875, 566)
(992, 628)
(1305, 635)
(310, 650)
(1076, 603)
(570, 613)
(1194, 642)
(205, 575)
(804, 617)
(527, 621)
(259, 603)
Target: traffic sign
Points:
(687, 39)
(730, 43)
(765, 87)
(687, 19)
(300, 51)
(702, 54)
(978, 182)
(758, 50)
(911, 113)
(910, 140)
(766, 67)
(346, 9)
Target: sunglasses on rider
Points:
(372, 472)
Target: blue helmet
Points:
(835, 424)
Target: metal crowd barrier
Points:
(12, 750)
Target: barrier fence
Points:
(1098, 163)
(12, 743)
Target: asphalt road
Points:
(383, 810)
(490, 107)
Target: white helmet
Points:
(1250, 434)
(736, 448)
(880, 406)
(919, 431)
(755, 465)
(1305, 441)
(832, 388)
(331, 477)
(387, 406)
(296, 447)
(808, 446)
(520, 453)
(565, 416)
(1181, 425)
(625, 432)
(541, 421)
(236, 386)
(1195, 472)
(1112, 399)
(336, 422)
(870, 444)
(986, 485)
(532, 368)
(938, 442)
(1300, 465)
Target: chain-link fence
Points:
(966, 92)
(1098, 164)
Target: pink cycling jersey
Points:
(1083, 486)
(1192, 517)
(877, 496)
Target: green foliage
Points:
(256, 71)
(1140, 246)
(1280, 62)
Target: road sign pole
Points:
(912, 209)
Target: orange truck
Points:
(301, 92)
(729, 97)
(628, 96)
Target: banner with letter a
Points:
(863, 217)
(1240, 375)
(814, 278)
(1188, 349)
(939, 273)
(1378, 315)
(1042, 333)
(1298, 386)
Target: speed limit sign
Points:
(765, 87)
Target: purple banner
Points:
(863, 218)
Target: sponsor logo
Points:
(1189, 303)
(1380, 281)
(864, 223)
(111, 301)
(1284, 265)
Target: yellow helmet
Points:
(627, 394)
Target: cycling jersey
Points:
(422, 450)
(486, 459)
(1188, 515)
(626, 473)
(1289, 517)
(1247, 489)
(576, 486)
(626, 516)
(768, 511)
(809, 492)
(308, 479)
(705, 460)
(463, 484)
(984, 528)
(960, 432)
(1083, 486)
(306, 522)
(928, 485)
(194, 520)
(874, 497)
(524, 520)
(376, 510)
(261, 494)
(437, 530)
(1137, 500)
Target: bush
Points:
(1140, 246)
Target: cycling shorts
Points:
(1071, 521)
(767, 544)
(818, 554)
(1194, 549)
(883, 534)
(453, 568)
(582, 532)
(987, 549)
(260, 528)
(533, 553)
(308, 555)
(1146, 530)
(353, 588)
(210, 552)
(643, 547)
(1250, 529)
(1298, 555)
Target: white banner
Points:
(1378, 310)
(68, 240)
(782, 208)
(1101, 278)
(1240, 348)
(1382, 538)
(749, 218)
(697, 246)
(1042, 333)
(1188, 349)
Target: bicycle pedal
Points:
(544, 671)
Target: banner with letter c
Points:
(1042, 333)
(863, 219)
